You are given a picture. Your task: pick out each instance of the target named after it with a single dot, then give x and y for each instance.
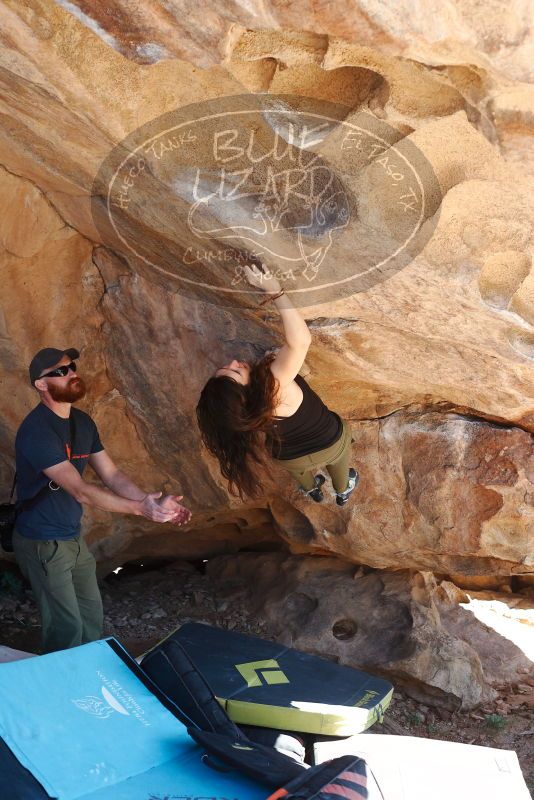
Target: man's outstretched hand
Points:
(164, 509)
(182, 515)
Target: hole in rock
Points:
(132, 568)
(344, 629)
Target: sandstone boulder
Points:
(434, 374)
(403, 626)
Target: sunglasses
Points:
(60, 372)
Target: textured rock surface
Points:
(433, 367)
(438, 492)
(455, 31)
(403, 626)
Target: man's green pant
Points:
(62, 574)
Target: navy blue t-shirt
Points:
(42, 441)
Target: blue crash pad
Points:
(85, 723)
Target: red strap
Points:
(279, 793)
(345, 791)
(355, 777)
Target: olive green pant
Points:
(335, 458)
(62, 574)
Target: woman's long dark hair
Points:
(234, 420)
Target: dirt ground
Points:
(143, 605)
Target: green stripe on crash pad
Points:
(315, 718)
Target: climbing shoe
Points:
(316, 493)
(342, 497)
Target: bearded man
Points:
(53, 445)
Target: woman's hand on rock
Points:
(262, 279)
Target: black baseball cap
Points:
(48, 357)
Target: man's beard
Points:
(73, 391)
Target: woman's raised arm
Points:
(290, 357)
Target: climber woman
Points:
(247, 412)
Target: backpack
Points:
(9, 511)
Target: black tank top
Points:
(311, 428)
